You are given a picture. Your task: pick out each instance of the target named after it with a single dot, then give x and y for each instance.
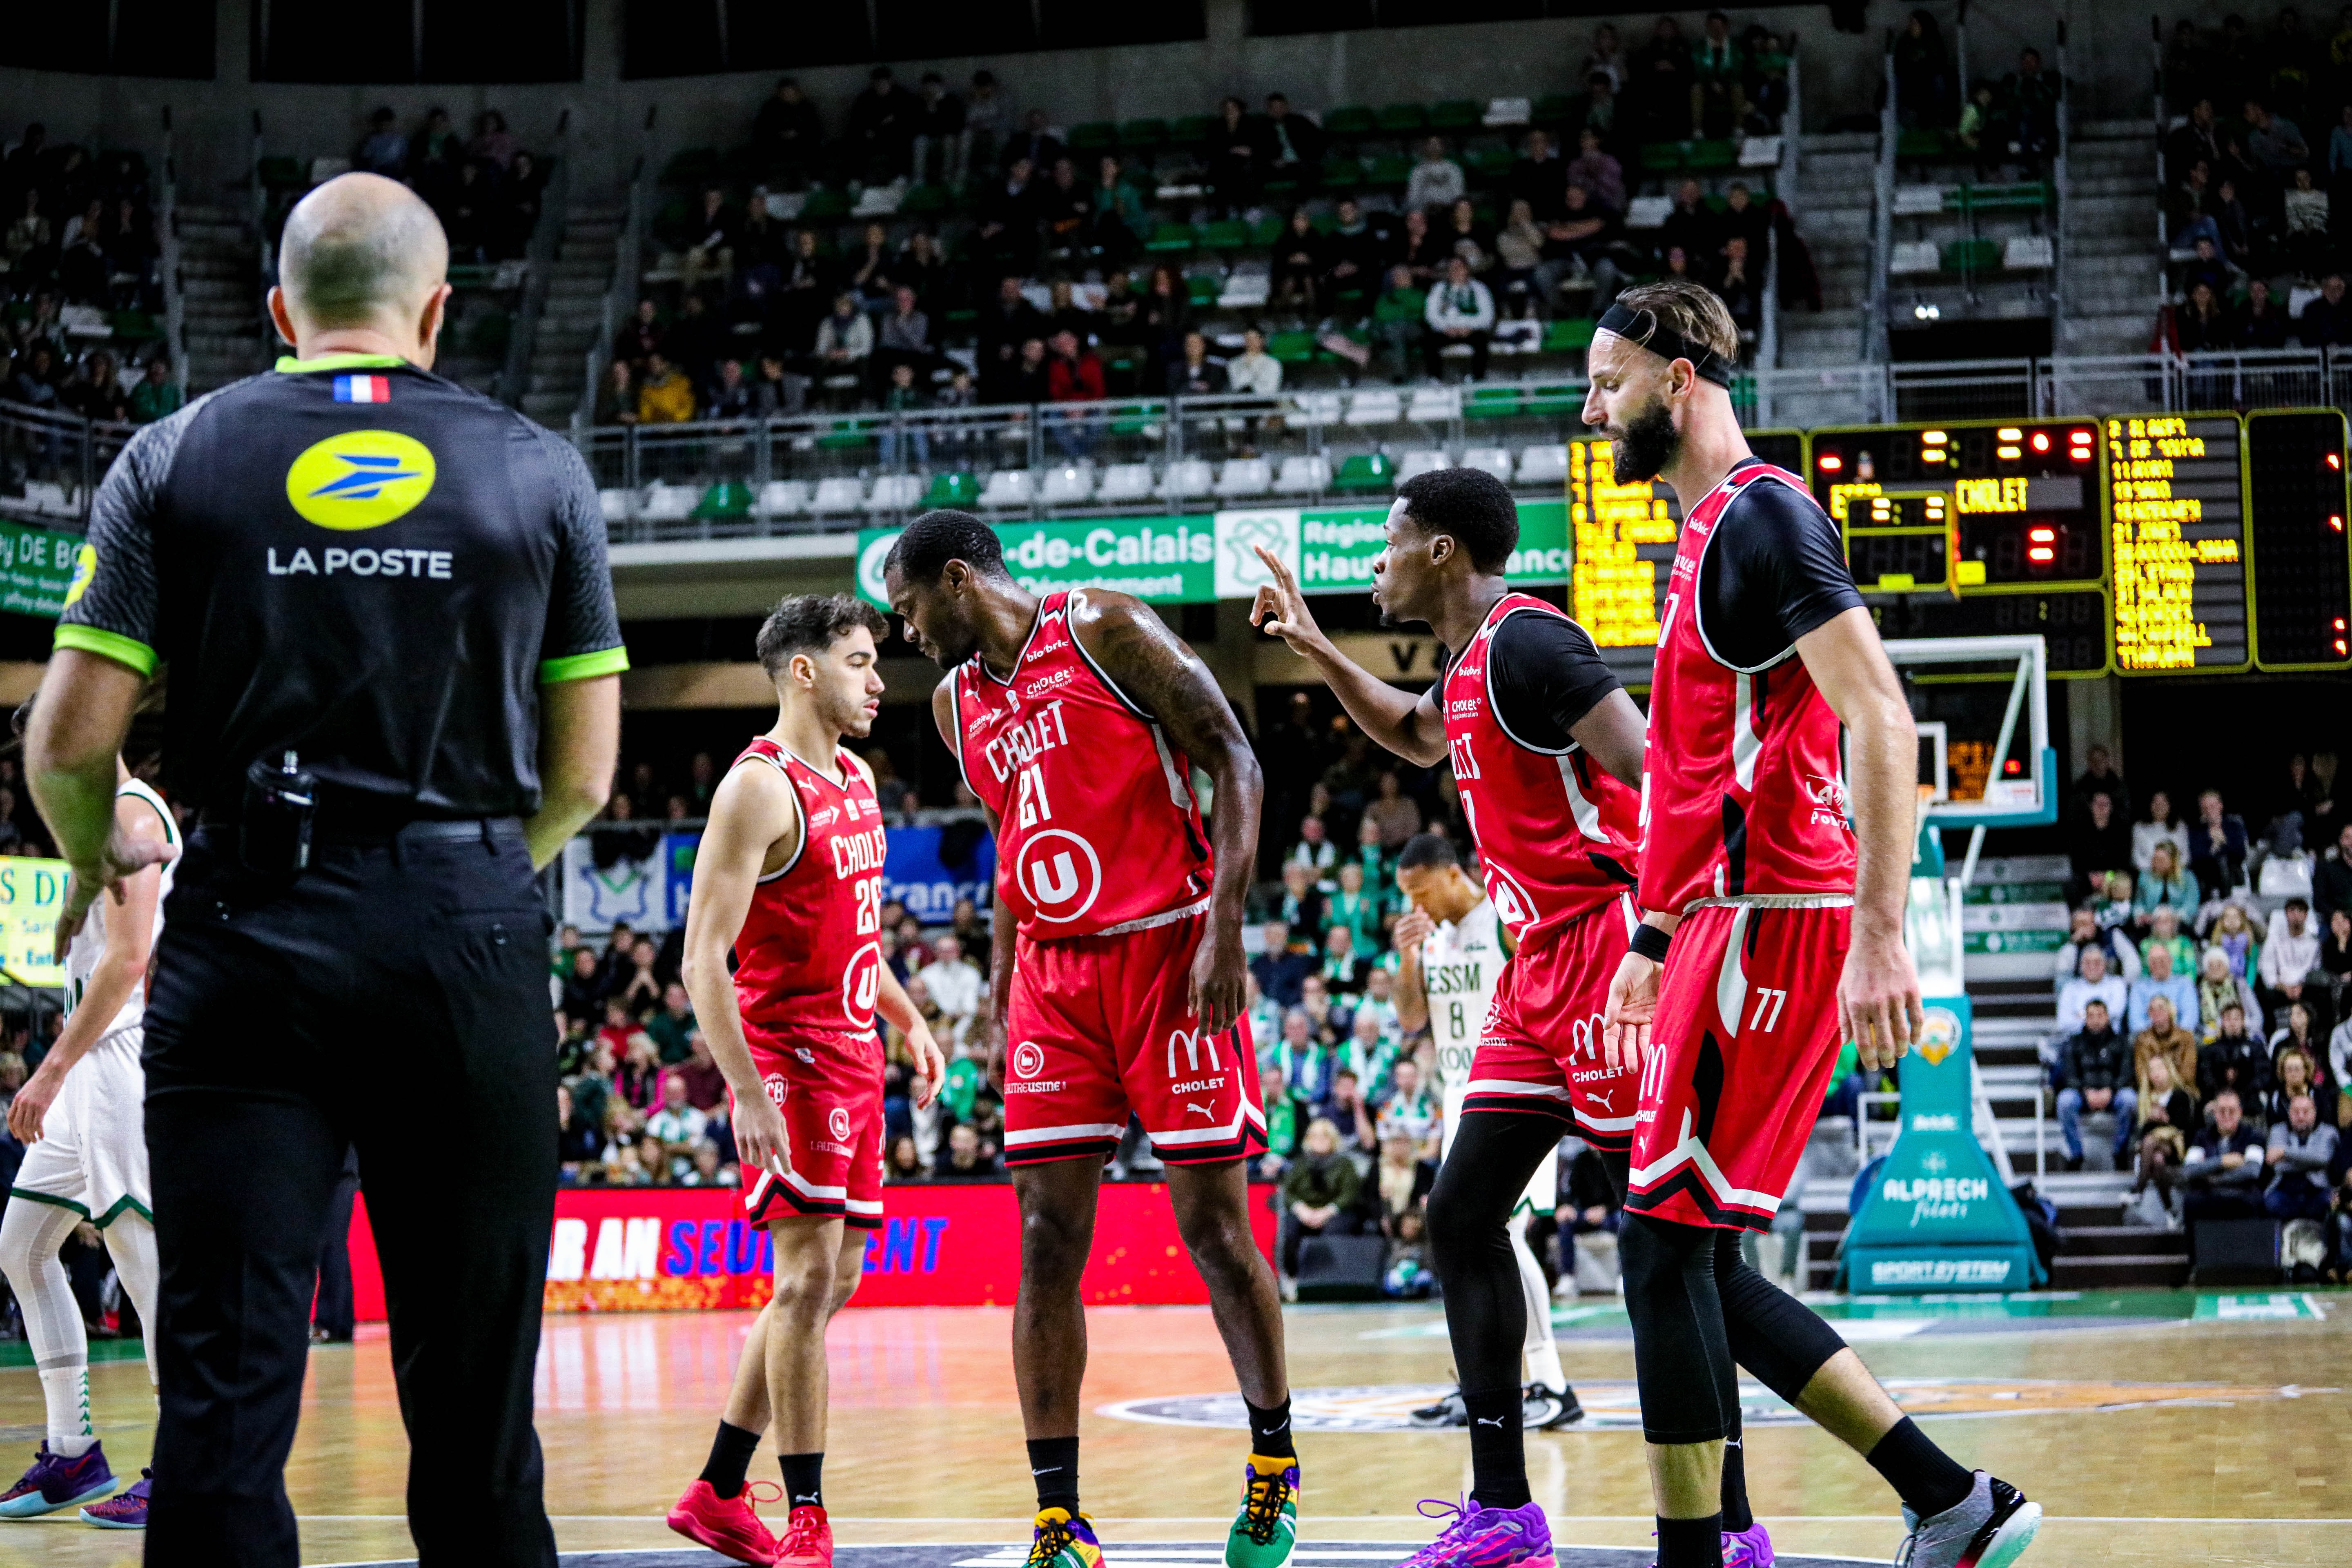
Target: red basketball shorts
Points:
(1540, 1055)
(829, 1088)
(1741, 1051)
(1099, 1027)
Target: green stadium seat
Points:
(1130, 421)
(1203, 289)
(134, 325)
(847, 437)
(1171, 239)
(964, 317)
(825, 206)
(1555, 109)
(1269, 229)
(1491, 402)
(1455, 114)
(1919, 143)
(1292, 348)
(1366, 471)
(1555, 402)
(1194, 129)
(1972, 256)
(1351, 120)
(1094, 136)
(1227, 234)
(1662, 157)
(1285, 189)
(958, 489)
(1489, 163)
(924, 200)
(1389, 169)
(1568, 335)
(2033, 195)
(1398, 119)
(728, 498)
(1706, 156)
(1143, 134)
(1342, 174)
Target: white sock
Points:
(30, 1237)
(66, 1391)
(1540, 1350)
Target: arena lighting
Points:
(1830, 463)
(2335, 460)
(2336, 522)
(2041, 441)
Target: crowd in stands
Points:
(1011, 260)
(2004, 121)
(487, 189)
(2258, 174)
(2216, 1036)
(80, 291)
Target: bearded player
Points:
(788, 877)
(1546, 747)
(1779, 923)
(1118, 978)
(83, 1113)
(1451, 950)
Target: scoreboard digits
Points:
(2178, 528)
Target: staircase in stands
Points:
(2114, 272)
(1835, 182)
(2013, 921)
(220, 286)
(573, 314)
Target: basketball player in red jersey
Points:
(788, 877)
(1546, 748)
(1118, 976)
(1780, 885)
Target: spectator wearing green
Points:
(966, 1074)
(156, 394)
(2164, 931)
(672, 1024)
(2166, 882)
(1397, 320)
(1356, 906)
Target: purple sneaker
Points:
(1480, 1537)
(1748, 1548)
(56, 1482)
(127, 1510)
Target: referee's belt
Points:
(373, 827)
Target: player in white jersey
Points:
(82, 1112)
(1451, 949)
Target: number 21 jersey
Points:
(809, 957)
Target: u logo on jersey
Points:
(861, 983)
(1060, 872)
(1028, 1059)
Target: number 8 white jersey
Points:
(1461, 962)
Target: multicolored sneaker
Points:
(1061, 1541)
(54, 1482)
(1748, 1548)
(1479, 1537)
(126, 1509)
(729, 1526)
(808, 1539)
(1268, 1526)
(1990, 1528)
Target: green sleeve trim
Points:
(582, 665)
(121, 649)
(289, 366)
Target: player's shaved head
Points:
(360, 250)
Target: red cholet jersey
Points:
(809, 956)
(1097, 827)
(1743, 783)
(1554, 829)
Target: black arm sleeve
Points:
(110, 606)
(1546, 675)
(1774, 570)
(582, 636)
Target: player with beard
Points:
(1546, 747)
(788, 880)
(1118, 979)
(1785, 921)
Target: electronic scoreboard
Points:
(2147, 544)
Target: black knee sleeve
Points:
(1470, 1242)
(1771, 1333)
(1681, 1357)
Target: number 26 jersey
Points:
(809, 957)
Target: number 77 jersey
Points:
(809, 957)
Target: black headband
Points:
(1644, 329)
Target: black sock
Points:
(1054, 1465)
(1691, 1543)
(1498, 1458)
(1923, 1475)
(1736, 1517)
(804, 1480)
(730, 1456)
(1270, 1430)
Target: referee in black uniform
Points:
(389, 624)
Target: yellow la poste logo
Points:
(361, 478)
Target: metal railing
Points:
(1874, 346)
(50, 462)
(539, 255)
(620, 294)
(167, 262)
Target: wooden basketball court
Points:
(2155, 1427)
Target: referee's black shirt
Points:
(355, 560)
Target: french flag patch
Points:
(363, 389)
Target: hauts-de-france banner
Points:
(1199, 558)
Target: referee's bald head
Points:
(362, 251)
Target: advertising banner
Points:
(1201, 557)
(30, 892)
(630, 1250)
(609, 877)
(37, 569)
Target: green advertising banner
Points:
(1201, 557)
(37, 567)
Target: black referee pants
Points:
(395, 997)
